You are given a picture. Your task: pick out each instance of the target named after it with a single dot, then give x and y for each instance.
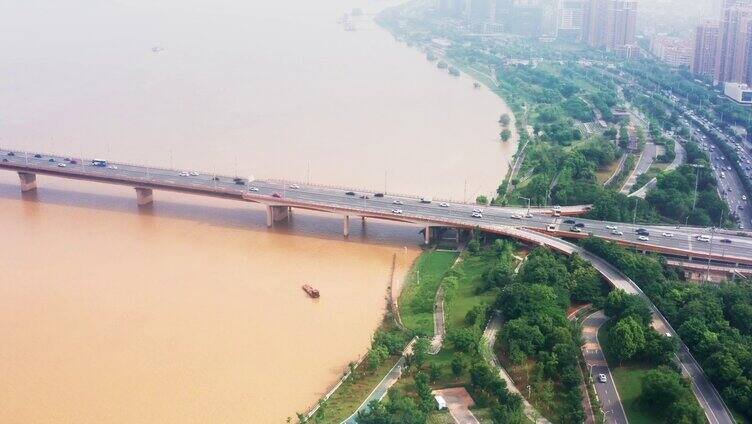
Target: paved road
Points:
(645, 162)
(412, 210)
(709, 399)
(596, 362)
(679, 159)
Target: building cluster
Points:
(608, 24)
(722, 49)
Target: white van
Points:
(704, 239)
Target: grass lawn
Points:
(628, 379)
(352, 393)
(419, 293)
(604, 174)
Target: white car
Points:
(195, 174)
(611, 227)
(515, 216)
(478, 210)
(61, 165)
(184, 174)
(253, 189)
(294, 186)
(397, 211)
(617, 233)
(643, 238)
(529, 215)
(477, 215)
(444, 205)
(669, 235)
(602, 378)
(398, 202)
(744, 197)
(113, 167)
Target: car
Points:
(378, 195)
(516, 216)
(602, 378)
(611, 227)
(51, 160)
(744, 197)
(215, 178)
(185, 174)
(617, 233)
(643, 238)
(61, 165)
(294, 186)
(703, 238)
(113, 167)
(38, 156)
(350, 193)
(579, 225)
(398, 202)
(277, 195)
(253, 189)
(397, 211)
(11, 154)
(477, 215)
(479, 210)
(575, 229)
(194, 174)
(240, 182)
(73, 161)
(443, 205)
(727, 241)
(669, 235)
(236, 179)
(528, 215)
(568, 221)
(364, 196)
(426, 199)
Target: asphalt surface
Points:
(596, 362)
(646, 161)
(709, 399)
(412, 210)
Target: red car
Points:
(277, 195)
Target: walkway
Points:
(489, 335)
(596, 362)
(439, 330)
(384, 385)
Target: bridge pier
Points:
(28, 181)
(346, 226)
(276, 214)
(144, 196)
(427, 235)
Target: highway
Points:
(723, 249)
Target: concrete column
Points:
(144, 196)
(28, 181)
(276, 214)
(346, 226)
(428, 235)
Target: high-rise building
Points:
(732, 51)
(570, 17)
(611, 24)
(673, 51)
(481, 10)
(705, 48)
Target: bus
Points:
(98, 162)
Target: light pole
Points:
(528, 204)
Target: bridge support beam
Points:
(276, 214)
(346, 226)
(427, 235)
(144, 196)
(28, 181)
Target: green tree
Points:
(505, 134)
(627, 338)
(458, 364)
(481, 200)
(505, 120)
(420, 351)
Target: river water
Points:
(191, 310)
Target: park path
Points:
(489, 336)
(439, 328)
(384, 385)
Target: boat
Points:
(310, 291)
(476, 84)
(453, 71)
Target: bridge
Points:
(724, 251)
(728, 252)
